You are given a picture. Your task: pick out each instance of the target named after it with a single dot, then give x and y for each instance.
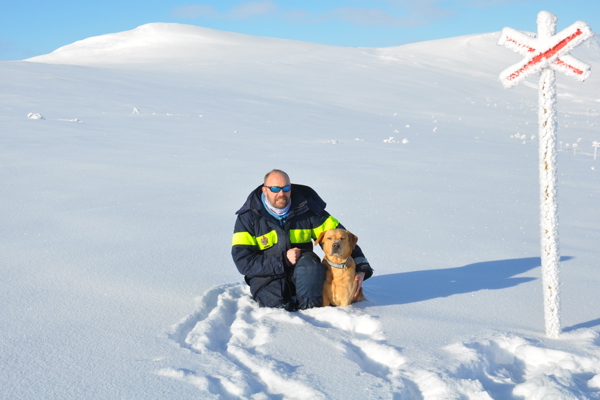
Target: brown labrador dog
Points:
(340, 285)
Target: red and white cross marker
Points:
(545, 52)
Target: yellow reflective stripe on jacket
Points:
(330, 223)
(243, 238)
(297, 236)
(300, 235)
(266, 241)
(263, 242)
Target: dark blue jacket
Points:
(260, 241)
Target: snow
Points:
(117, 280)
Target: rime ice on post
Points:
(547, 53)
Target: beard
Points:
(281, 202)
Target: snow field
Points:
(113, 225)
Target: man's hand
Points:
(360, 277)
(294, 254)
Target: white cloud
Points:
(369, 16)
(391, 13)
(196, 11)
(246, 10)
(254, 9)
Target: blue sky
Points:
(30, 28)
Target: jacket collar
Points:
(303, 199)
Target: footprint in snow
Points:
(241, 351)
(244, 351)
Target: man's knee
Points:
(309, 273)
(309, 276)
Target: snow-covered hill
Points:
(125, 156)
(166, 43)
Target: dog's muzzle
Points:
(336, 247)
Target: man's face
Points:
(281, 199)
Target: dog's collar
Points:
(340, 266)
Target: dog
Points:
(340, 285)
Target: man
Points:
(272, 244)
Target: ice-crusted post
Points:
(548, 185)
(547, 53)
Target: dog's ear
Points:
(320, 238)
(353, 239)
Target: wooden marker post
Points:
(547, 53)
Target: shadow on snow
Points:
(589, 324)
(416, 286)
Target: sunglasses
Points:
(277, 189)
